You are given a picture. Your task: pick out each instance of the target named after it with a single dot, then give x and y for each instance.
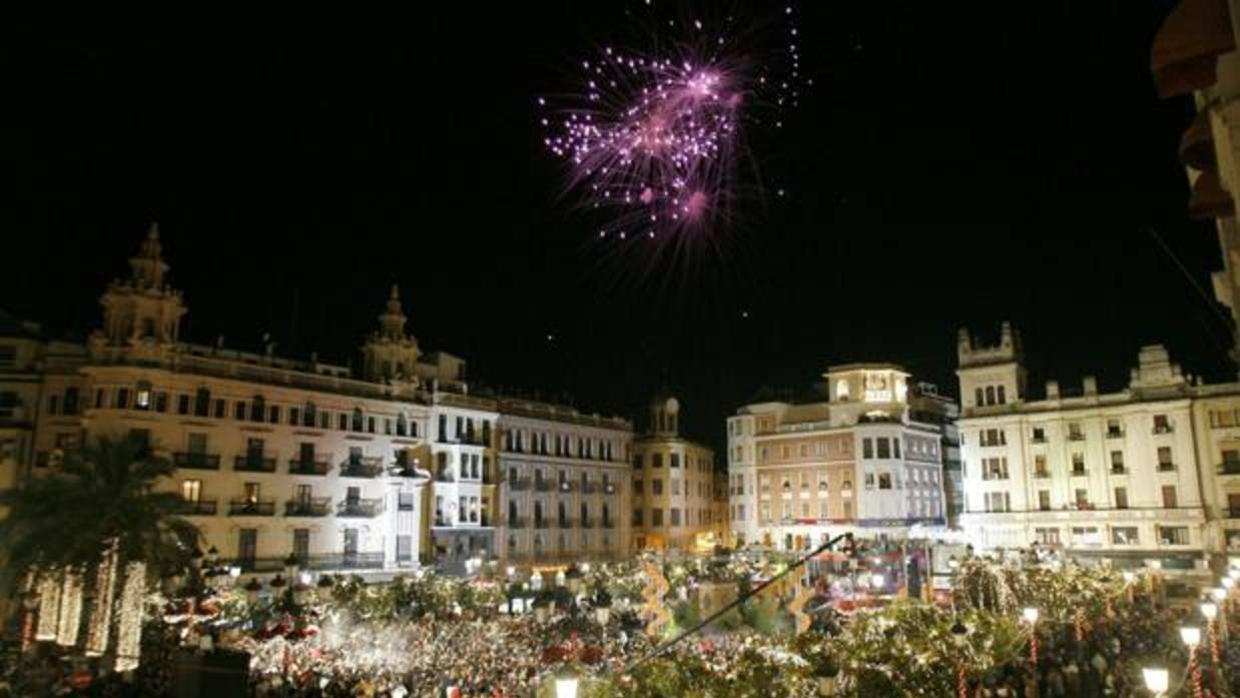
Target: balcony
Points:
(1115, 433)
(1079, 472)
(609, 524)
(1038, 439)
(542, 524)
(1162, 429)
(306, 466)
(196, 461)
(609, 488)
(251, 507)
(254, 463)
(518, 522)
(544, 485)
(566, 523)
(1041, 475)
(1229, 468)
(567, 486)
(587, 523)
(363, 508)
(985, 477)
(315, 506)
(1119, 470)
(519, 485)
(1078, 436)
(200, 507)
(362, 467)
(1166, 467)
(589, 488)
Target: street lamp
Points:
(291, 566)
(877, 579)
(252, 588)
(566, 688)
(1192, 638)
(326, 586)
(960, 638)
(1219, 593)
(1156, 680)
(1030, 614)
(213, 556)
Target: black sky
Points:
(954, 164)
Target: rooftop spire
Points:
(148, 267)
(392, 321)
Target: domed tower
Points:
(141, 311)
(664, 416)
(391, 353)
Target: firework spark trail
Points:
(656, 139)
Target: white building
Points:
(1092, 474)
(273, 456)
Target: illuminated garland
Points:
(129, 624)
(100, 624)
(49, 607)
(70, 609)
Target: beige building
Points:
(866, 458)
(1113, 475)
(565, 478)
(678, 503)
(274, 456)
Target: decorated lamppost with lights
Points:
(1209, 611)
(1157, 680)
(960, 638)
(1191, 636)
(1030, 616)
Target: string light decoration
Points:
(29, 606)
(100, 624)
(49, 607)
(129, 618)
(70, 609)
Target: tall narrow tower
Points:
(143, 313)
(391, 353)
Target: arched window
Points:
(357, 419)
(401, 424)
(512, 513)
(977, 397)
(562, 513)
(841, 389)
(606, 514)
(202, 402)
(585, 513)
(990, 395)
(258, 409)
(309, 415)
(847, 485)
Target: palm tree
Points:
(101, 493)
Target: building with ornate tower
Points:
(273, 455)
(677, 502)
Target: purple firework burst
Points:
(655, 140)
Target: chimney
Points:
(1090, 385)
(1052, 390)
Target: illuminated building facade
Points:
(867, 459)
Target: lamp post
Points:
(252, 588)
(325, 588)
(1192, 639)
(566, 687)
(960, 638)
(1157, 680)
(1030, 616)
(1209, 611)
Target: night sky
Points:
(952, 165)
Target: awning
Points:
(1197, 144)
(1186, 46)
(1209, 199)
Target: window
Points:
(1231, 461)
(675, 487)
(258, 409)
(404, 501)
(357, 419)
(1078, 463)
(675, 516)
(1117, 462)
(1173, 535)
(220, 408)
(990, 395)
(1161, 424)
(994, 468)
(823, 482)
(191, 490)
(52, 404)
(884, 481)
(1044, 500)
(1002, 395)
(869, 481)
(1039, 466)
(122, 398)
(1074, 432)
(1124, 535)
(1121, 497)
(1114, 430)
(656, 517)
(637, 487)
(71, 401)
(1047, 536)
(183, 404)
(998, 502)
(273, 414)
(1168, 497)
(1164, 459)
(673, 460)
(301, 543)
(977, 397)
(161, 402)
(370, 425)
(656, 486)
(342, 422)
(867, 448)
(1081, 498)
(884, 447)
(8, 356)
(656, 460)
(239, 410)
(637, 517)
(404, 547)
(1086, 536)
(764, 512)
(1039, 436)
(99, 398)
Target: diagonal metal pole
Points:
(829, 545)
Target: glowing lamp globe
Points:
(877, 580)
(1219, 593)
(1130, 577)
(1209, 611)
(585, 567)
(511, 570)
(1190, 635)
(566, 688)
(1156, 679)
(1030, 615)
